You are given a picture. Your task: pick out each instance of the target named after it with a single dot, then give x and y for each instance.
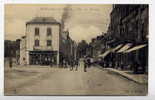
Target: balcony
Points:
(43, 48)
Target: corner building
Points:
(41, 42)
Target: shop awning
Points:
(116, 48)
(105, 53)
(135, 48)
(124, 48)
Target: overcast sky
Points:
(83, 21)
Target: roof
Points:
(43, 20)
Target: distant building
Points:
(68, 48)
(10, 48)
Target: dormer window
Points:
(49, 32)
(36, 31)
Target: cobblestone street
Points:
(43, 80)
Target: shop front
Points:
(42, 57)
(138, 58)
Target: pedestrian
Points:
(76, 64)
(65, 64)
(85, 65)
(10, 62)
(71, 65)
(135, 67)
(88, 62)
(51, 64)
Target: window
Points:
(36, 31)
(49, 42)
(36, 42)
(49, 31)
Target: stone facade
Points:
(41, 41)
(68, 48)
(23, 51)
(129, 24)
(46, 43)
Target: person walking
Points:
(85, 65)
(76, 64)
(88, 62)
(65, 64)
(10, 62)
(71, 65)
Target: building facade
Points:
(46, 43)
(129, 25)
(23, 51)
(125, 45)
(68, 48)
(41, 43)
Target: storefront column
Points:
(57, 58)
(27, 58)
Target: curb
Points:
(125, 76)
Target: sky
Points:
(84, 22)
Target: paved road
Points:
(59, 81)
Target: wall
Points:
(30, 33)
(22, 51)
(30, 38)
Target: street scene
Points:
(76, 49)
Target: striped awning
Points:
(135, 48)
(124, 48)
(105, 53)
(117, 47)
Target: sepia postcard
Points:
(76, 49)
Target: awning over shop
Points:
(124, 48)
(135, 48)
(117, 47)
(105, 53)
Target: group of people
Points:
(74, 64)
(70, 64)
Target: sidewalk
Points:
(138, 78)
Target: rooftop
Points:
(43, 20)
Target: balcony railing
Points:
(42, 48)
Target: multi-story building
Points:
(41, 43)
(129, 26)
(129, 22)
(68, 48)
(45, 43)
